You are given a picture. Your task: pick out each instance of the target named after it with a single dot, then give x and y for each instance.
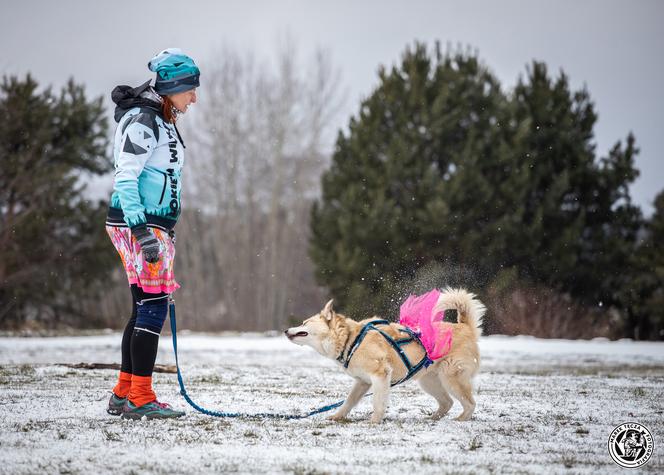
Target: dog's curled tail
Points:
(470, 309)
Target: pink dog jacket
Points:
(416, 313)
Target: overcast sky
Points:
(616, 48)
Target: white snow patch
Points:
(543, 406)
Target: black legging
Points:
(139, 349)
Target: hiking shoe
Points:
(115, 405)
(151, 410)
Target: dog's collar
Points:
(341, 358)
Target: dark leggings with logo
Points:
(140, 344)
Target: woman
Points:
(144, 208)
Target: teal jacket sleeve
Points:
(136, 146)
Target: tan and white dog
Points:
(376, 363)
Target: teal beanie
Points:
(176, 72)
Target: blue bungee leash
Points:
(425, 362)
(259, 415)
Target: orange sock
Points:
(141, 390)
(124, 383)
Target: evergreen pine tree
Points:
(643, 294)
(52, 244)
(578, 226)
(408, 184)
(443, 179)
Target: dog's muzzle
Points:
(294, 335)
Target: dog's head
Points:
(322, 331)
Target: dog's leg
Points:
(431, 384)
(360, 388)
(460, 386)
(381, 389)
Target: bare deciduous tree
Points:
(256, 150)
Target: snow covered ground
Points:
(543, 406)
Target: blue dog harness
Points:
(396, 344)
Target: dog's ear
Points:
(328, 312)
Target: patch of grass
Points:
(606, 371)
(582, 430)
(285, 392)
(209, 423)
(475, 444)
(427, 459)
(32, 425)
(112, 436)
(251, 434)
(532, 372)
(398, 423)
(300, 470)
(26, 370)
(344, 421)
(568, 461)
(639, 392)
(94, 424)
(210, 379)
(66, 375)
(187, 437)
(504, 431)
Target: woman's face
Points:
(181, 100)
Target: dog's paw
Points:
(337, 417)
(440, 413)
(463, 417)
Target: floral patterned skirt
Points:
(152, 278)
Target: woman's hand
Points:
(149, 244)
